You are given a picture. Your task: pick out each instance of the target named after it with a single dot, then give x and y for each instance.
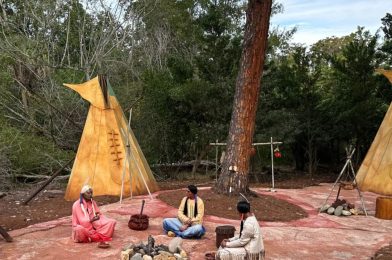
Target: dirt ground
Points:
(265, 208)
(49, 204)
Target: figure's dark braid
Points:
(186, 207)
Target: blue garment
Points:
(174, 224)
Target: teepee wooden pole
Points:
(134, 159)
(126, 160)
(357, 188)
(141, 175)
(129, 153)
(123, 174)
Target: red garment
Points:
(83, 231)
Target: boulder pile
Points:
(150, 251)
(340, 208)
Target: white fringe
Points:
(84, 210)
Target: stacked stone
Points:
(340, 208)
(152, 252)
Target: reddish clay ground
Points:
(46, 206)
(50, 205)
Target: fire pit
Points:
(340, 208)
(147, 251)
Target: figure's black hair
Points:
(243, 207)
(193, 189)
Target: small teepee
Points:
(101, 157)
(375, 173)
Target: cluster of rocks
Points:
(340, 208)
(150, 251)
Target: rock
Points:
(125, 255)
(162, 248)
(346, 213)
(178, 256)
(174, 244)
(2, 194)
(165, 254)
(354, 211)
(147, 257)
(160, 257)
(331, 210)
(325, 207)
(338, 211)
(183, 254)
(137, 256)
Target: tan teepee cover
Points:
(101, 155)
(375, 173)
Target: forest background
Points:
(175, 64)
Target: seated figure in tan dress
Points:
(249, 243)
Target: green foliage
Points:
(351, 100)
(175, 63)
(184, 114)
(28, 153)
(385, 54)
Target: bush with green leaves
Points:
(24, 153)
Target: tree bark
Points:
(246, 97)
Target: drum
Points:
(138, 221)
(223, 232)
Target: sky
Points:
(319, 19)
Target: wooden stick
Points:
(141, 211)
(6, 236)
(47, 182)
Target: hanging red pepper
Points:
(277, 153)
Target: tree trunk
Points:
(24, 77)
(199, 157)
(246, 97)
(299, 155)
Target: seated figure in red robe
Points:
(88, 224)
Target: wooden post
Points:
(271, 143)
(216, 161)
(272, 166)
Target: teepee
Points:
(101, 157)
(375, 173)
